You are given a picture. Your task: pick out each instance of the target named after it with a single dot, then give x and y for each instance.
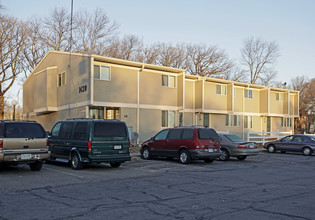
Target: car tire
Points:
(76, 164)
(225, 155)
(36, 166)
(146, 154)
(208, 160)
(271, 148)
(115, 164)
(184, 157)
(241, 157)
(307, 151)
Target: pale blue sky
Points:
(225, 23)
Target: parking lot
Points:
(267, 186)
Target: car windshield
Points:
(312, 138)
(234, 138)
(24, 130)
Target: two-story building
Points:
(150, 97)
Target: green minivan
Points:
(86, 141)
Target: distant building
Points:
(150, 97)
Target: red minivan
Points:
(185, 143)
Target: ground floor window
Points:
(168, 118)
(248, 121)
(286, 122)
(233, 120)
(104, 112)
(206, 119)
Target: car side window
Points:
(161, 136)
(205, 133)
(188, 133)
(174, 134)
(80, 131)
(298, 139)
(56, 129)
(287, 139)
(66, 129)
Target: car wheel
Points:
(184, 157)
(225, 155)
(146, 154)
(115, 164)
(271, 148)
(76, 164)
(36, 166)
(208, 160)
(307, 151)
(241, 157)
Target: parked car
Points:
(295, 143)
(86, 141)
(234, 146)
(185, 143)
(23, 142)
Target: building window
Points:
(112, 113)
(233, 120)
(101, 72)
(248, 93)
(61, 81)
(168, 118)
(206, 119)
(286, 122)
(168, 81)
(96, 112)
(221, 89)
(279, 96)
(248, 121)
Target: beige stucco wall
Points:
(129, 115)
(188, 119)
(198, 94)
(179, 84)
(276, 107)
(264, 101)
(150, 123)
(153, 93)
(214, 101)
(253, 105)
(189, 94)
(238, 99)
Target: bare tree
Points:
(232, 74)
(34, 49)
(56, 30)
(205, 61)
(12, 41)
(128, 48)
(93, 32)
(149, 54)
(259, 56)
(171, 56)
(306, 99)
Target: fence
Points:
(263, 137)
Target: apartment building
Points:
(150, 97)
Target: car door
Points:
(173, 143)
(60, 144)
(285, 144)
(297, 143)
(157, 144)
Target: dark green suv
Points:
(86, 141)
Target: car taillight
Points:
(197, 144)
(47, 143)
(1, 145)
(89, 146)
(241, 146)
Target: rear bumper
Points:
(110, 158)
(244, 152)
(17, 157)
(203, 154)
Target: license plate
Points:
(251, 146)
(210, 150)
(26, 156)
(117, 147)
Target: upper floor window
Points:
(101, 72)
(279, 96)
(233, 120)
(168, 81)
(221, 89)
(61, 80)
(248, 93)
(248, 121)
